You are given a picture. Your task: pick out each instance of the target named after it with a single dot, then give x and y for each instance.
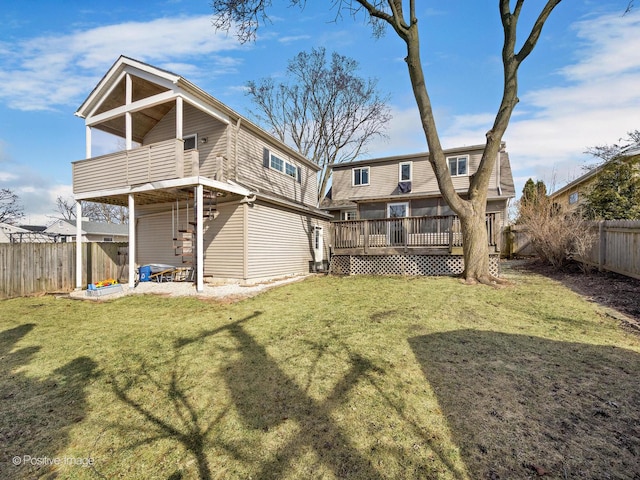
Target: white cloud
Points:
(50, 71)
(294, 38)
(597, 103)
(404, 135)
(6, 176)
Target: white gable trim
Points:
(214, 112)
(129, 65)
(133, 107)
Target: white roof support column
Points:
(179, 118)
(132, 242)
(127, 115)
(79, 245)
(87, 134)
(199, 239)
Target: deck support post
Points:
(79, 245)
(132, 242)
(127, 116)
(199, 239)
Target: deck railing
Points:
(158, 161)
(406, 232)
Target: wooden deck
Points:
(437, 235)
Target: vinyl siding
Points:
(279, 241)
(384, 177)
(197, 122)
(154, 240)
(224, 243)
(223, 238)
(250, 171)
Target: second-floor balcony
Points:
(150, 163)
(418, 235)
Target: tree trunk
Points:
(475, 247)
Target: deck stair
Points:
(184, 243)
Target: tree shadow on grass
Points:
(37, 414)
(521, 407)
(265, 397)
(188, 428)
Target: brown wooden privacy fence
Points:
(617, 247)
(33, 268)
(516, 242)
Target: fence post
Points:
(602, 253)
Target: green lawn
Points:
(356, 377)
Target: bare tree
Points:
(247, 15)
(327, 111)
(66, 208)
(557, 236)
(604, 153)
(10, 208)
(96, 212)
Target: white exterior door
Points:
(396, 212)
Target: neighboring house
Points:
(391, 218)
(205, 187)
(66, 231)
(24, 234)
(6, 231)
(574, 193)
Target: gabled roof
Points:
(153, 91)
(628, 153)
(68, 227)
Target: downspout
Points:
(235, 149)
(498, 173)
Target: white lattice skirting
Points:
(404, 265)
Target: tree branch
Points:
(536, 30)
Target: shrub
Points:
(558, 237)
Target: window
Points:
(361, 176)
(277, 163)
(458, 166)
(349, 215)
(190, 142)
(290, 170)
(573, 198)
(107, 239)
(405, 172)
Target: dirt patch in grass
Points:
(524, 407)
(607, 289)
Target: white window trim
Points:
(284, 166)
(458, 157)
(576, 196)
(353, 176)
(195, 137)
(345, 213)
(410, 171)
(389, 205)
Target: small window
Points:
(190, 142)
(291, 170)
(107, 239)
(405, 172)
(349, 215)
(361, 176)
(573, 198)
(458, 166)
(277, 163)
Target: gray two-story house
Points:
(205, 187)
(390, 218)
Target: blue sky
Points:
(580, 87)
